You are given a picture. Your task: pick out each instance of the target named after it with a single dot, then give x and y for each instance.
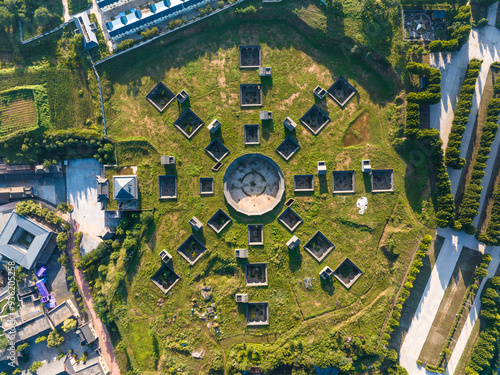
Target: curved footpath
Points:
(484, 44)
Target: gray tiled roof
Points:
(14, 251)
(125, 187)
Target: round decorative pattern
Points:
(253, 184)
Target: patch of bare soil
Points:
(358, 132)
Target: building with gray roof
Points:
(68, 366)
(24, 241)
(125, 187)
(86, 28)
(37, 326)
(86, 334)
(62, 312)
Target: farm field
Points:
(380, 242)
(69, 97)
(18, 112)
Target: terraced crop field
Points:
(17, 114)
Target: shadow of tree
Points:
(294, 259)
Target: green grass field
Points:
(380, 242)
(69, 96)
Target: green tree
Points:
(40, 339)
(42, 16)
(54, 340)
(35, 366)
(22, 347)
(6, 17)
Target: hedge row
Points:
(407, 286)
(491, 237)
(458, 31)
(481, 272)
(444, 196)
(485, 352)
(445, 201)
(469, 207)
(432, 95)
(461, 116)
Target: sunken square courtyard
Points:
(219, 221)
(343, 182)
(319, 246)
(347, 273)
(250, 56)
(315, 119)
(256, 274)
(217, 150)
(251, 95)
(188, 123)
(341, 91)
(191, 250)
(257, 313)
(288, 148)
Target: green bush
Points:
(150, 33)
(485, 353)
(127, 43)
(469, 207)
(461, 118)
(445, 201)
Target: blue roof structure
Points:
(42, 289)
(105, 3)
(159, 11)
(22, 240)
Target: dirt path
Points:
(352, 318)
(66, 15)
(104, 338)
(219, 346)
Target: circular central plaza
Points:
(253, 184)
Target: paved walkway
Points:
(428, 306)
(484, 44)
(81, 188)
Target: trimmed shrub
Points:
(469, 207)
(461, 117)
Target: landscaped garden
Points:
(379, 243)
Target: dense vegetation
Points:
(51, 147)
(431, 95)
(469, 207)
(492, 234)
(484, 356)
(461, 116)
(36, 16)
(458, 31)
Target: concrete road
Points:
(81, 187)
(428, 306)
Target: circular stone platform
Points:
(253, 184)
